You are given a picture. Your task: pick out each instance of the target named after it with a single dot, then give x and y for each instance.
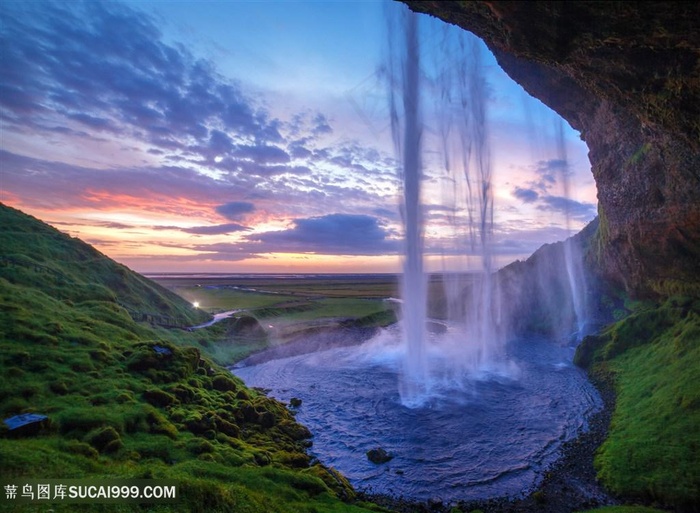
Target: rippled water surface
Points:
(482, 433)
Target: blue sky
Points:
(249, 137)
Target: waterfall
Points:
(453, 134)
(573, 259)
(462, 123)
(407, 139)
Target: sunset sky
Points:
(249, 136)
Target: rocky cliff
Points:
(627, 76)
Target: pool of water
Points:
(479, 433)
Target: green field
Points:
(303, 299)
(284, 308)
(100, 351)
(226, 291)
(298, 298)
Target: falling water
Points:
(572, 252)
(514, 427)
(475, 342)
(414, 282)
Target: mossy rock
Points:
(334, 480)
(588, 349)
(100, 355)
(82, 367)
(14, 373)
(262, 458)
(158, 397)
(184, 393)
(310, 484)
(105, 439)
(226, 427)
(146, 358)
(266, 419)
(294, 430)
(125, 397)
(202, 425)
(224, 383)
(82, 448)
(159, 424)
(199, 446)
(59, 388)
(292, 459)
(211, 457)
(247, 412)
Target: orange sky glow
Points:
(168, 155)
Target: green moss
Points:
(76, 447)
(653, 449)
(224, 382)
(158, 397)
(666, 288)
(129, 399)
(104, 439)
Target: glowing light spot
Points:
(195, 304)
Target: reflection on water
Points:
(479, 434)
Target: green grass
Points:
(653, 448)
(308, 299)
(220, 299)
(319, 303)
(345, 308)
(72, 349)
(42, 258)
(370, 286)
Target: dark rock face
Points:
(627, 76)
(539, 299)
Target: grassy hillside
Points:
(132, 400)
(653, 449)
(38, 256)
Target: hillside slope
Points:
(37, 255)
(129, 400)
(652, 356)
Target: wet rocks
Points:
(379, 456)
